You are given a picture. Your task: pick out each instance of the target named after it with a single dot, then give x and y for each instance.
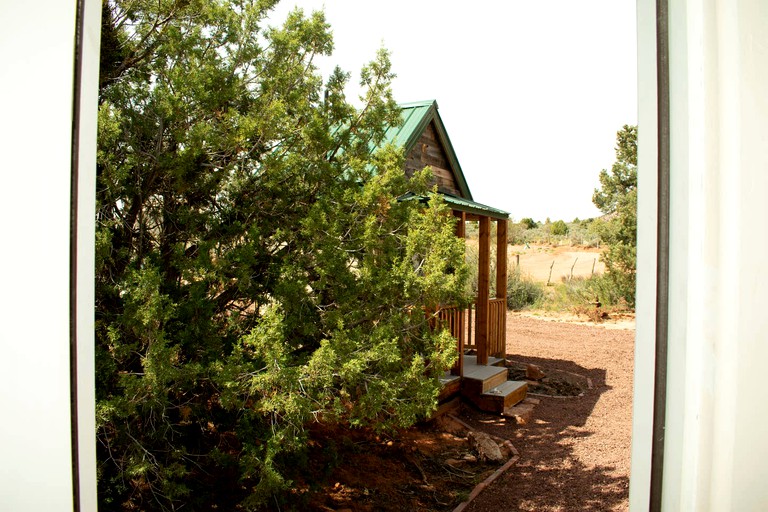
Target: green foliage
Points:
(522, 291)
(617, 197)
(529, 223)
(559, 228)
(578, 232)
(579, 294)
(515, 233)
(255, 270)
(622, 179)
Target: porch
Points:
(486, 386)
(479, 374)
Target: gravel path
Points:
(574, 453)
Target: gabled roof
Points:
(416, 117)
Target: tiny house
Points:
(480, 331)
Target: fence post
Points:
(570, 278)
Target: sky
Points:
(531, 93)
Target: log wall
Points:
(429, 151)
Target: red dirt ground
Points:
(420, 469)
(574, 453)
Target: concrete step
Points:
(502, 397)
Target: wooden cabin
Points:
(481, 329)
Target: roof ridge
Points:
(422, 103)
(415, 117)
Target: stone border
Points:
(556, 397)
(590, 386)
(485, 483)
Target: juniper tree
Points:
(255, 269)
(617, 198)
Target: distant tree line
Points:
(616, 230)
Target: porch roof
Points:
(462, 205)
(473, 207)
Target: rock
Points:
(506, 450)
(521, 413)
(487, 449)
(533, 372)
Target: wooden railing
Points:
(460, 322)
(455, 319)
(497, 327)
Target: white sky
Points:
(531, 92)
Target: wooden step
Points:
(471, 360)
(479, 379)
(502, 396)
(450, 385)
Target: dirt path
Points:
(575, 453)
(536, 260)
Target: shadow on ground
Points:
(549, 476)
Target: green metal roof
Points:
(416, 117)
(462, 205)
(466, 205)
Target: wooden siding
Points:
(428, 150)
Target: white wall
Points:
(716, 450)
(642, 417)
(716, 455)
(86, 369)
(36, 73)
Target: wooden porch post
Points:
(461, 224)
(458, 368)
(501, 281)
(483, 285)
